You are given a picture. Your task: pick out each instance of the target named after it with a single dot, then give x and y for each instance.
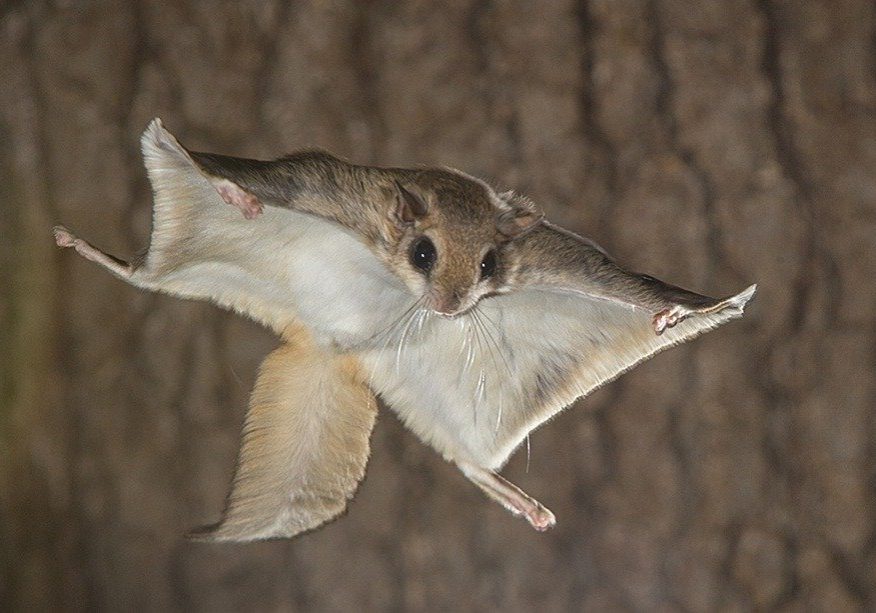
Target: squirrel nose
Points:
(448, 304)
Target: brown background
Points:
(712, 144)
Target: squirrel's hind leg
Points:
(510, 496)
(65, 238)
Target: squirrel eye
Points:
(488, 265)
(423, 255)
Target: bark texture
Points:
(712, 144)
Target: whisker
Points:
(478, 314)
(527, 453)
(486, 344)
(464, 344)
(468, 340)
(470, 333)
(493, 348)
(402, 341)
(481, 389)
(391, 326)
(376, 365)
(498, 416)
(424, 314)
(387, 334)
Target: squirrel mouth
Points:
(453, 313)
(447, 306)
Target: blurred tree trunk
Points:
(711, 144)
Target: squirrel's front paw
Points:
(235, 195)
(667, 318)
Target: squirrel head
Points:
(454, 237)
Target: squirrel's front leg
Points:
(309, 182)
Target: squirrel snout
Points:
(446, 304)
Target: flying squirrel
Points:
(470, 315)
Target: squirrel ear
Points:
(520, 217)
(409, 206)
